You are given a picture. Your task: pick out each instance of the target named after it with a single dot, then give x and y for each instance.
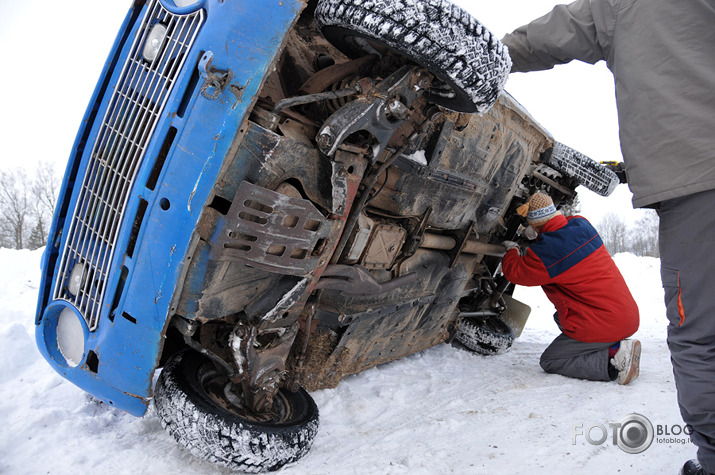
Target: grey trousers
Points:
(687, 250)
(576, 359)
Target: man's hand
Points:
(619, 168)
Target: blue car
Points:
(266, 196)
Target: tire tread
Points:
(488, 338)
(434, 33)
(229, 442)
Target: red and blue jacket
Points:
(571, 264)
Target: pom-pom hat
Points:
(538, 209)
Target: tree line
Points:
(640, 239)
(27, 202)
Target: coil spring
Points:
(533, 183)
(331, 105)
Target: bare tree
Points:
(45, 188)
(612, 229)
(14, 206)
(643, 239)
(5, 234)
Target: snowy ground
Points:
(441, 411)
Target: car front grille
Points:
(134, 108)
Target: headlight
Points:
(75, 282)
(70, 337)
(153, 42)
(185, 3)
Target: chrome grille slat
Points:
(132, 114)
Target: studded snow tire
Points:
(209, 424)
(472, 63)
(486, 338)
(587, 172)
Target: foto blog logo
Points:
(633, 433)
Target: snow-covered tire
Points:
(199, 415)
(440, 36)
(486, 338)
(587, 172)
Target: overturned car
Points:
(267, 196)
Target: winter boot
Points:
(627, 361)
(692, 467)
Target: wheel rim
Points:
(220, 390)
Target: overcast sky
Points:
(53, 53)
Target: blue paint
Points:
(128, 340)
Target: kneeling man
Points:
(594, 308)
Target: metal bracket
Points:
(261, 367)
(380, 110)
(215, 80)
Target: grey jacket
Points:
(662, 56)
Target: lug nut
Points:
(324, 141)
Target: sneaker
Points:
(627, 361)
(692, 467)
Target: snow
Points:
(418, 157)
(443, 410)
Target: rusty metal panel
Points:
(384, 246)
(273, 232)
(371, 338)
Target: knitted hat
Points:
(538, 210)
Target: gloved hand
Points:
(619, 168)
(510, 245)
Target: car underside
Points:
(354, 217)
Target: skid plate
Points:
(273, 231)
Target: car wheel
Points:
(491, 337)
(195, 404)
(470, 62)
(585, 171)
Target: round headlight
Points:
(154, 41)
(70, 337)
(75, 282)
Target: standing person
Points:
(662, 56)
(594, 308)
